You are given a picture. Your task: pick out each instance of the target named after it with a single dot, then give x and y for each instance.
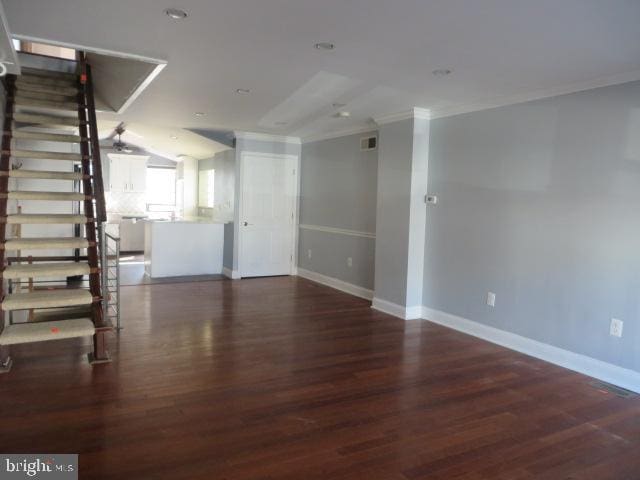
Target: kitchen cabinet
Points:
(128, 173)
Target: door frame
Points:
(293, 267)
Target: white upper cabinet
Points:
(128, 173)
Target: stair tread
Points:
(44, 155)
(45, 243)
(46, 299)
(45, 119)
(52, 218)
(49, 89)
(49, 137)
(22, 101)
(46, 270)
(53, 196)
(43, 331)
(46, 174)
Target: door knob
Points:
(246, 224)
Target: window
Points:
(206, 183)
(161, 186)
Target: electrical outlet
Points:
(615, 330)
(491, 299)
(309, 254)
(349, 262)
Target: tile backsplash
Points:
(121, 202)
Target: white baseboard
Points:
(406, 313)
(604, 371)
(232, 274)
(337, 284)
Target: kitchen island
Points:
(175, 248)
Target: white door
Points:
(267, 206)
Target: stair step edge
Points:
(45, 331)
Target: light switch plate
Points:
(615, 329)
(491, 299)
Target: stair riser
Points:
(45, 220)
(53, 90)
(44, 244)
(44, 175)
(47, 96)
(47, 137)
(37, 72)
(48, 82)
(45, 119)
(35, 154)
(51, 196)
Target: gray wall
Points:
(400, 219)
(338, 190)
(227, 252)
(394, 174)
(540, 203)
(224, 164)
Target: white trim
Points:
(160, 64)
(339, 231)
(335, 283)
(604, 371)
(102, 51)
(405, 313)
(265, 137)
(342, 133)
(421, 113)
(232, 274)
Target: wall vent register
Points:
(368, 143)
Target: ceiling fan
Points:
(119, 145)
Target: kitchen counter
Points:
(190, 246)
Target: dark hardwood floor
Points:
(281, 378)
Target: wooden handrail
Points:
(98, 183)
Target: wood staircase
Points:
(42, 108)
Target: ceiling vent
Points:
(368, 143)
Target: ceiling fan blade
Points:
(135, 134)
(114, 132)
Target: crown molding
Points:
(340, 133)
(420, 113)
(507, 100)
(265, 137)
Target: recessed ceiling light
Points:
(243, 91)
(338, 105)
(342, 114)
(325, 46)
(199, 114)
(173, 137)
(441, 72)
(175, 13)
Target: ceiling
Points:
(499, 52)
